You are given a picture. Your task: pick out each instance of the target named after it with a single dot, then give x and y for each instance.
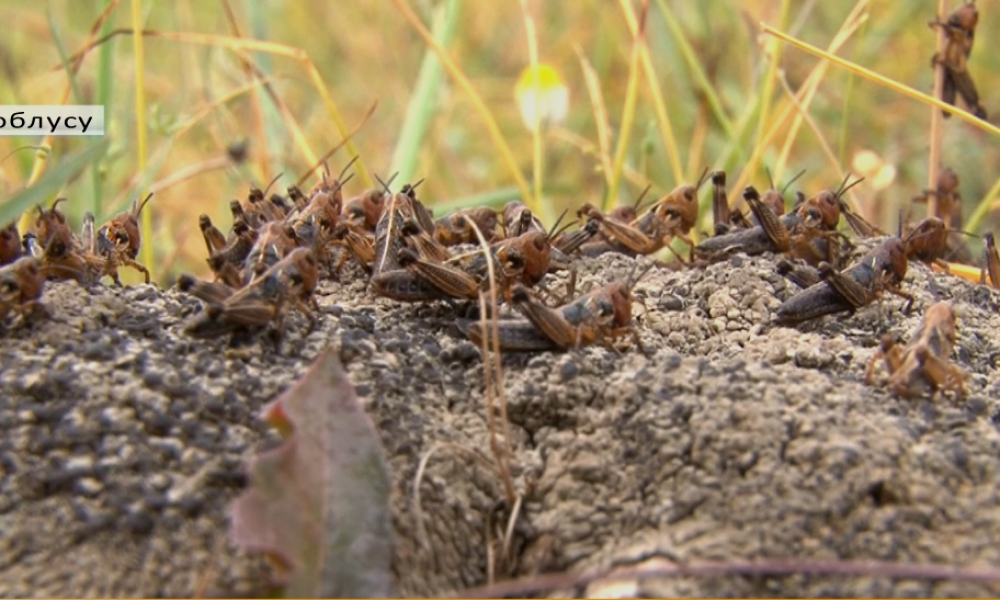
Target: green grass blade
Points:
(423, 103)
(105, 88)
(49, 184)
(64, 58)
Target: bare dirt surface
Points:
(122, 441)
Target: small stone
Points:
(88, 486)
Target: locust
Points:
(959, 29)
(924, 364)
(21, 285)
(880, 270)
(10, 244)
(809, 232)
(288, 283)
(597, 317)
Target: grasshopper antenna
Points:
(273, 181)
(702, 179)
(552, 232)
(137, 207)
(348, 166)
(792, 180)
(386, 184)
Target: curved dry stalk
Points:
(418, 514)
(593, 83)
(502, 455)
(658, 567)
(341, 144)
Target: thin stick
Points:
(659, 567)
(502, 454)
(934, 158)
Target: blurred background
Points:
(218, 121)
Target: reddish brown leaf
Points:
(319, 503)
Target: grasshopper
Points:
(21, 285)
(960, 30)
(597, 317)
(882, 269)
(925, 361)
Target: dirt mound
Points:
(122, 441)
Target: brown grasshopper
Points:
(959, 31)
(21, 285)
(257, 210)
(290, 281)
(726, 219)
(227, 263)
(365, 210)
(809, 232)
(882, 269)
(119, 240)
(924, 363)
(949, 206)
(525, 258)
(10, 244)
(62, 254)
(518, 219)
(454, 229)
(597, 317)
(275, 240)
(357, 242)
(949, 210)
(671, 216)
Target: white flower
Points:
(542, 97)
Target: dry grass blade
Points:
(258, 109)
(241, 46)
(809, 94)
(41, 158)
(884, 81)
(142, 149)
(502, 455)
(847, 29)
(823, 144)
